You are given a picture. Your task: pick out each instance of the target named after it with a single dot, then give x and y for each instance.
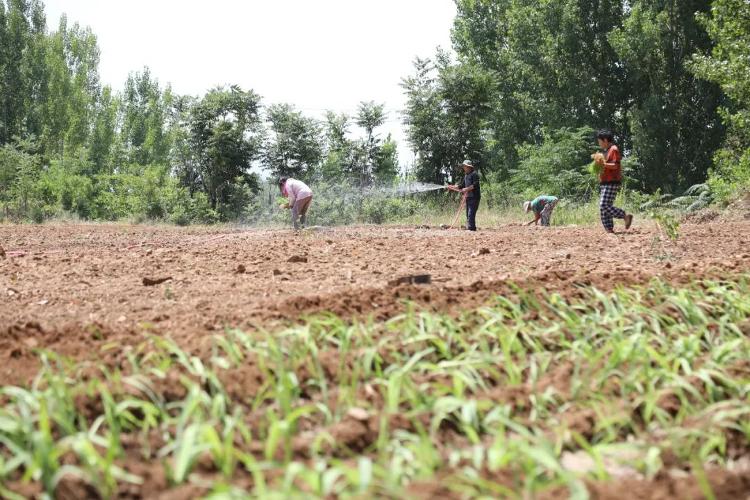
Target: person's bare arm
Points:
(536, 219)
(288, 203)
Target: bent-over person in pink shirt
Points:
(300, 197)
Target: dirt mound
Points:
(702, 216)
(738, 210)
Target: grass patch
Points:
(493, 403)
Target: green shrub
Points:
(559, 166)
(19, 174)
(730, 175)
(378, 210)
(241, 201)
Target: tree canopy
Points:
(524, 69)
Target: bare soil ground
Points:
(76, 288)
(69, 287)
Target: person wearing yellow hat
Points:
(471, 191)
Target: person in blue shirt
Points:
(542, 206)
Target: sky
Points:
(315, 54)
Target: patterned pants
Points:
(547, 212)
(607, 211)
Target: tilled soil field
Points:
(184, 372)
(68, 287)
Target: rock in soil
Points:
(297, 258)
(415, 279)
(155, 281)
(358, 414)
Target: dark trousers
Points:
(472, 205)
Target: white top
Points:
(296, 190)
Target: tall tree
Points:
(145, 109)
(56, 115)
(369, 117)
(293, 146)
(4, 88)
(104, 131)
(83, 59)
(35, 72)
(552, 65)
(673, 118)
(728, 65)
(183, 156)
(446, 114)
(226, 134)
(385, 162)
(339, 155)
(73, 88)
(528, 67)
(16, 40)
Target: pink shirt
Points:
(296, 190)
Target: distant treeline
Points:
(69, 143)
(521, 95)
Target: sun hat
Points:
(467, 163)
(526, 206)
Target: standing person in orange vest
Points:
(610, 181)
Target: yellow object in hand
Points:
(597, 165)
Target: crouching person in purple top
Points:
(300, 197)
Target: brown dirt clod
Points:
(155, 281)
(414, 279)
